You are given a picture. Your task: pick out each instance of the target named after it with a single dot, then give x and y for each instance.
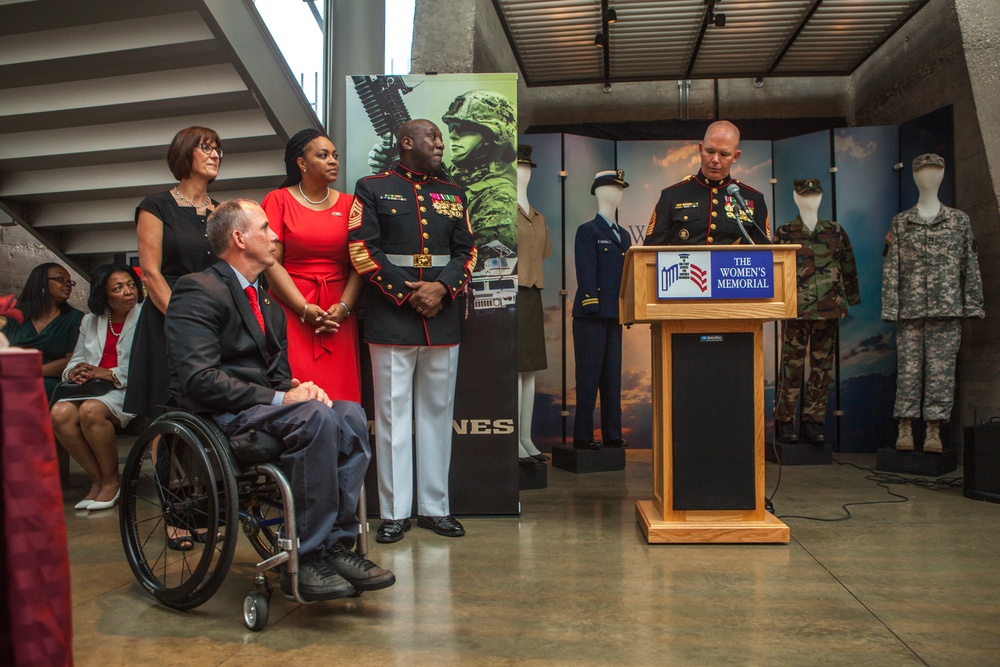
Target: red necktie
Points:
(252, 295)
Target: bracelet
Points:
(305, 309)
(346, 307)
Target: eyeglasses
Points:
(63, 281)
(208, 148)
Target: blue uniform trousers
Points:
(597, 347)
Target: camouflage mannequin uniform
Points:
(827, 286)
(487, 174)
(930, 281)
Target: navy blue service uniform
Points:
(697, 211)
(597, 335)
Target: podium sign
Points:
(707, 306)
(725, 274)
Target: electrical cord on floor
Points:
(881, 480)
(892, 478)
(769, 499)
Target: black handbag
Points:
(89, 389)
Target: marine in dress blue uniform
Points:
(597, 336)
(410, 239)
(698, 211)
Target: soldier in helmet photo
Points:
(482, 133)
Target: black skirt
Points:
(530, 330)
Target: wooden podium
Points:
(708, 401)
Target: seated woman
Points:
(86, 426)
(50, 324)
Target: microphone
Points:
(734, 191)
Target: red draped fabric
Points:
(36, 621)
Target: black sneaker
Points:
(363, 574)
(317, 580)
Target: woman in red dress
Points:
(313, 279)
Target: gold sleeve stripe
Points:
(357, 210)
(589, 302)
(649, 227)
(360, 257)
(767, 226)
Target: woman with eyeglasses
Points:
(313, 278)
(50, 324)
(85, 427)
(172, 242)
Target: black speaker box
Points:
(982, 462)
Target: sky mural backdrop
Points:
(862, 189)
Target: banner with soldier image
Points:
(476, 114)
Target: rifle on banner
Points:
(382, 98)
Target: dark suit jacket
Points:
(220, 361)
(600, 260)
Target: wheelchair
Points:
(184, 473)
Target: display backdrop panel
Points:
(484, 470)
(867, 192)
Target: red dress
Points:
(316, 258)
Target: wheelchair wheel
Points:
(179, 476)
(255, 610)
(261, 515)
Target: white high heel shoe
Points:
(106, 505)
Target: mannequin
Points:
(597, 336)
(827, 286)
(533, 247)
(930, 281)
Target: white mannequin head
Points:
(523, 174)
(808, 203)
(928, 178)
(608, 198)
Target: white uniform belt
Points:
(419, 261)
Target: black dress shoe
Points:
(528, 461)
(541, 458)
(786, 433)
(812, 433)
(586, 444)
(620, 443)
(392, 530)
(442, 525)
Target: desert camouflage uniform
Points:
(930, 281)
(827, 286)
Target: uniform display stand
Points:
(919, 463)
(533, 477)
(708, 401)
(799, 454)
(605, 459)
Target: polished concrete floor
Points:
(573, 582)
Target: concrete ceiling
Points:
(656, 40)
(91, 94)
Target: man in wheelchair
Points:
(228, 357)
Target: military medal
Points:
(448, 206)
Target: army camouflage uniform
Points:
(930, 281)
(827, 286)
(490, 180)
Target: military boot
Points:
(812, 433)
(932, 437)
(904, 441)
(786, 433)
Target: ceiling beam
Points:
(795, 35)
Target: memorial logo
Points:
(722, 274)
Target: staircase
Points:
(93, 91)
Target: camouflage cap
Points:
(488, 109)
(524, 155)
(804, 186)
(613, 177)
(928, 160)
